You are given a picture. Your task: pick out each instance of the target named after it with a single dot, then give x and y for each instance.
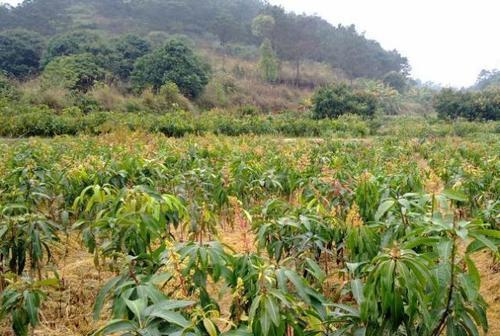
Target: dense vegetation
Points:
(471, 105)
(191, 55)
(332, 238)
(334, 101)
(225, 167)
(295, 37)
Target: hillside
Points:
(296, 37)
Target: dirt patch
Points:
(490, 289)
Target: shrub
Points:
(218, 92)
(76, 72)
(268, 64)
(127, 50)
(173, 98)
(482, 105)
(7, 89)
(73, 43)
(333, 101)
(175, 63)
(57, 98)
(20, 53)
(86, 103)
(168, 99)
(396, 80)
(248, 110)
(107, 97)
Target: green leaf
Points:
(115, 326)
(101, 296)
(239, 332)
(473, 272)
(409, 245)
(137, 307)
(357, 290)
(486, 242)
(490, 233)
(265, 324)
(47, 282)
(168, 305)
(20, 323)
(253, 308)
(455, 195)
(272, 309)
(209, 327)
(171, 317)
(31, 305)
(315, 270)
(383, 208)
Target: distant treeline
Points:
(295, 37)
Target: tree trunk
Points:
(223, 59)
(297, 72)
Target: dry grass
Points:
(490, 289)
(249, 89)
(68, 311)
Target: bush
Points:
(175, 63)
(396, 80)
(76, 72)
(107, 97)
(7, 89)
(218, 92)
(248, 110)
(333, 101)
(73, 43)
(482, 105)
(20, 53)
(168, 99)
(127, 50)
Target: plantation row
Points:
(44, 122)
(371, 237)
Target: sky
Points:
(446, 41)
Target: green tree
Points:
(175, 63)
(20, 52)
(482, 105)
(488, 78)
(127, 50)
(263, 26)
(73, 43)
(333, 101)
(396, 80)
(75, 72)
(225, 27)
(268, 64)
(157, 39)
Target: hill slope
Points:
(296, 37)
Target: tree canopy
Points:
(481, 105)
(20, 52)
(488, 78)
(75, 72)
(175, 63)
(294, 37)
(333, 101)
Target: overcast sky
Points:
(447, 41)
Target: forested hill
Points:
(295, 37)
